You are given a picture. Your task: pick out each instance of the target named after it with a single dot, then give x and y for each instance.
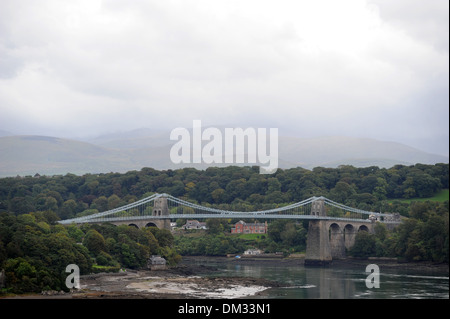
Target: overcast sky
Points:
(375, 69)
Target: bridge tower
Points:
(161, 208)
(318, 251)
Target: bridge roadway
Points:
(225, 216)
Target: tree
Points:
(364, 245)
(341, 192)
(114, 201)
(380, 231)
(94, 242)
(217, 195)
(101, 204)
(215, 225)
(21, 276)
(275, 229)
(163, 236)
(380, 190)
(273, 185)
(68, 209)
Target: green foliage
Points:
(35, 254)
(364, 245)
(422, 237)
(283, 236)
(94, 242)
(216, 226)
(233, 187)
(209, 245)
(288, 235)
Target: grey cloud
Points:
(99, 66)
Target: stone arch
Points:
(363, 228)
(336, 237)
(333, 230)
(151, 224)
(133, 225)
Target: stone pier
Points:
(329, 239)
(318, 252)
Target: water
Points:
(338, 282)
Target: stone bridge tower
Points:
(318, 250)
(161, 208)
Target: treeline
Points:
(422, 237)
(34, 251)
(235, 188)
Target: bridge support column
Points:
(337, 244)
(318, 252)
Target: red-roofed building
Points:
(242, 227)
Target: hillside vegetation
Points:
(34, 249)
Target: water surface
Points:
(337, 281)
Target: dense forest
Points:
(237, 188)
(35, 249)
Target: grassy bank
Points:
(441, 196)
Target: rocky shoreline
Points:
(175, 283)
(191, 279)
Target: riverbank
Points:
(202, 278)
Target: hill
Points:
(359, 152)
(28, 155)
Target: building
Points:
(242, 227)
(253, 252)
(194, 224)
(156, 262)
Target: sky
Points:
(361, 68)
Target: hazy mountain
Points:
(5, 133)
(27, 155)
(121, 152)
(360, 152)
(139, 138)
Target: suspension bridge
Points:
(166, 207)
(332, 226)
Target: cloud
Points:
(309, 67)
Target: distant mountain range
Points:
(121, 152)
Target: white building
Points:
(194, 224)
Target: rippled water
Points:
(339, 282)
